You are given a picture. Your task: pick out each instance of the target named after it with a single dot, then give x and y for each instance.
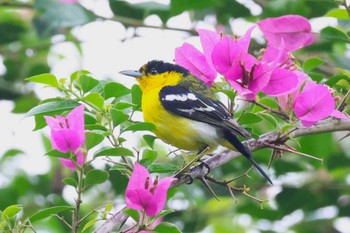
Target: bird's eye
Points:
(153, 71)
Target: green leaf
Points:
(97, 127)
(53, 106)
(316, 76)
(161, 168)
(286, 128)
(108, 207)
(96, 177)
(270, 119)
(89, 224)
(148, 157)
(115, 90)
(123, 105)
(54, 16)
(162, 214)
(12, 152)
(270, 102)
(119, 167)
(13, 26)
(149, 139)
(92, 139)
(77, 74)
(249, 118)
(229, 93)
(11, 211)
(57, 154)
(140, 11)
(312, 63)
(119, 151)
(118, 117)
(48, 79)
(338, 13)
(334, 34)
(179, 6)
(136, 96)
(42, 214)
(134, 214)
(70, 181)
(25, 103)
(95, 99)
(166, 227)
(87, 82)
(141, 126)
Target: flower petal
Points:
(314, 103)
(261, 77)
(68, 163)
(295, 30)
(225, 54)
(141, 199)
(281, 82)
(52, 122)
(208, 40)
(339, 115)
(65, 140)
(161, 192)
(192, 59)
(75, 120)
(244, 41)
(138, 177)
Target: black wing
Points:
(180, 101)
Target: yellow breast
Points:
(176, 130)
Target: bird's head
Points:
(157, 74)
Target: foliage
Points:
(314, 195)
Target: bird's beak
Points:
(132, 73)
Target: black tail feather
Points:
(244, 151)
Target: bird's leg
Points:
(200, 154)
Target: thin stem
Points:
(343, 101)
(63, 220)
(78, 201)
(346, 7)
(280, 113)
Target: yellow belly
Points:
(176, 130)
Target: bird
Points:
(186, 112)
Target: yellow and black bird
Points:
(186, 112)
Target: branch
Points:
(116, 220)
(328, 125)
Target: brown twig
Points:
(217, 160)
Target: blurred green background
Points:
(107, 36)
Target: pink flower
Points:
(275, 74)
(287, 101)
(294, 30)
(67, 134)
(314, 104)
(248, 75)
(142, 193)
(196, 62)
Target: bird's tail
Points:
(229, 136)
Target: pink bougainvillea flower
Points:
(315, 103)
(67, 134)
(70, 164)
(281, 81)
(142, 193)
(294, 30)
(193, 60)
(196, 62)
(275, 74)
(287, 101)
